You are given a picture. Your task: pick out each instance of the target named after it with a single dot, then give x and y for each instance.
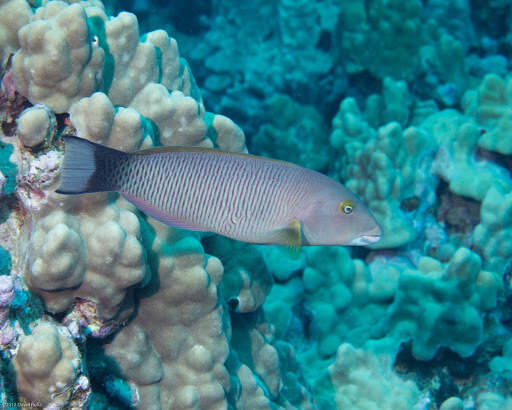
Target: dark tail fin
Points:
(88, 167)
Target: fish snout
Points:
(368, 238)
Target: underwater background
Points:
(408, 103)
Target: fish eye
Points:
(346, 207)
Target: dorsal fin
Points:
(209, 151)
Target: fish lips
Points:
(365, 240)
(369, 237)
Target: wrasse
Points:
(244, 197)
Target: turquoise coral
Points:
(456, 161)
(302, 142)
(440, 305)
(491, 106)
(365, 381)
(7, 168)
(382, 36)
(385, 168)
(503, 363)
(493, 235)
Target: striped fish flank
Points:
(236, 196)
(244, 197)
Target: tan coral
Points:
(14, 14)
(252, 395)
(135, 63)
(134, 353)
(184, 323)
(155, 60)
(115, 259)
(178, 117)
(96, 119)
(98, 244)
(36, 126)
(47, 365)
(57, 253)
(57, 64)
(230, 136)
(170, 58)
(266, 362)
(62, 57)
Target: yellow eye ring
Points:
(346, 207)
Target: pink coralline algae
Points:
(6, 291)
(2, 183)
(8, 87)
(36, 173)
(7, 333)
(85, 316)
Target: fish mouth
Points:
(365, 240)
(369, 237)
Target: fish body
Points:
(244, 197)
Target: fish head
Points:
(335, 216)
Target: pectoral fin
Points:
(290, 236)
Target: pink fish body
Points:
(240, 196)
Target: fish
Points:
(240, 196)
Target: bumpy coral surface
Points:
(372, 28)
(387, 167)
(57, 64)
(362, 381)
(407, 103)
(443, 304)
(47, 365)
(183, 366)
